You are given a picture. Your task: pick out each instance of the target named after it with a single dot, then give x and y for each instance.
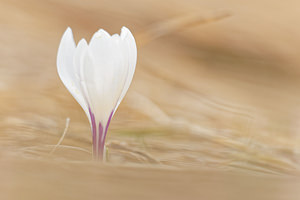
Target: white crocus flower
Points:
(98, 76)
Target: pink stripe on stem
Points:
(94, 131)
(100, 147)
(98, 150)
(106, 128)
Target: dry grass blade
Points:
(62, 136)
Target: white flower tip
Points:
(68, 32)
(69, 29)
(67, 39)
(124, 32)
(102, 33)
(66, 46)
(82, 42)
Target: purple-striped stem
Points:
(99, 132)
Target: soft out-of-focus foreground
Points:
(213, 111)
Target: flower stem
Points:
(100, 147)
(94, 132)
(98, 137)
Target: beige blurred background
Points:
(213, 111)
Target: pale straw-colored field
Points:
(213, 111)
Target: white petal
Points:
(130, 50)
(105, 73)
(78, 61)
(66, 68)
(77, 58)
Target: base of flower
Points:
(100, 155)
(99, 134)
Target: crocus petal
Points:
(78, 60)
(129, 49)
(66, 68)
(105, 73)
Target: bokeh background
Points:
(213, 111)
